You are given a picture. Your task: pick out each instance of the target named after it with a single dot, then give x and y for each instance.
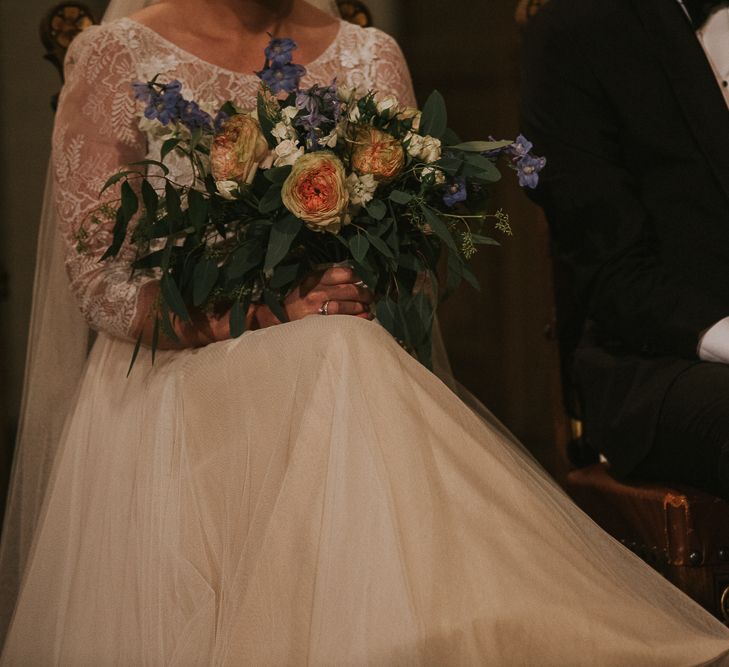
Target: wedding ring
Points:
(361, 283)
(324, 310)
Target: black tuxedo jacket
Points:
(621, 99)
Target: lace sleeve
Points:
(392, 74)
(95, 134)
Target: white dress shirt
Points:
(714, 37)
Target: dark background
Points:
(469, 50)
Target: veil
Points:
(58, 344)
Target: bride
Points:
(307, 493)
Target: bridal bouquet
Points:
(310, 177)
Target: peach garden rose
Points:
(378, 153)
(316, 191)
(238, 150)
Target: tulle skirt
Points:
(310, 495)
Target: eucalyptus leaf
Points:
(438, 226)
(204, 278)
(283, 233)
(481, 168)
(151, 163)
(278, 174)
(166, 325)
(484, 240)
(386, 309)
(284, 275)
(380, 246)
(115, 178)
(173, 298)
(481, 146)
(271, 201)
(124, 214)
(434, 120)
(359, 245)
(266, 122)
(155, 338)
(238, 316)
(400, 197)
(197, 206)
(172, 204)
(167, 147)
(137, 347)
(377, 209)
(151, 200)
(244, 259)
(271, 300)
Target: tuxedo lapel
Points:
(692, 78)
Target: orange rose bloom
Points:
(316, 192)
(238, 150)
(377, 153)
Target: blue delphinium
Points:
(528, 168)
(520, 148)
(527, 165)
(283, 78)
(219, 120)
(455, 192)
(279, 51)
(279, 73)
(165, 103)
(323, 110)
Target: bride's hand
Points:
(337, 285)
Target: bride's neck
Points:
(248, 16)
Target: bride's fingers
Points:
(337, 275)
(347, 308)
(349, 292)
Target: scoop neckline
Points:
(314, 63)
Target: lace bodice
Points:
(97, 132)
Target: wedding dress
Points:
(307, 493)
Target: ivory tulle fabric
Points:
(304, 495)
(310, 495)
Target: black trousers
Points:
(692, 438)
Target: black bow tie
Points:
(701, 10)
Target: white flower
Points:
(437, 176)
(354, 114)
(414, 143)
(154, 129)
(361, 188)
(346, 94)
(287, 152)
(431, 151)
(412, 113)
(228, 189)
(289, 113)
(330, 140)
(387, 104)
(283, 131)
(426, 149)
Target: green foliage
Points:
(435, 117)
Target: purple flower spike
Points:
(455, 192)
(528, 168)
(520, 148)
(284, 78)
(279, 51)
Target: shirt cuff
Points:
(714, 344)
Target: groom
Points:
(629, 101)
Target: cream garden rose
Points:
(316, 191)
(424, 148)
(238, 150)
(378, 153)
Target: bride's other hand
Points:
(339, 286)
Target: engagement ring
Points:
(324, 310)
